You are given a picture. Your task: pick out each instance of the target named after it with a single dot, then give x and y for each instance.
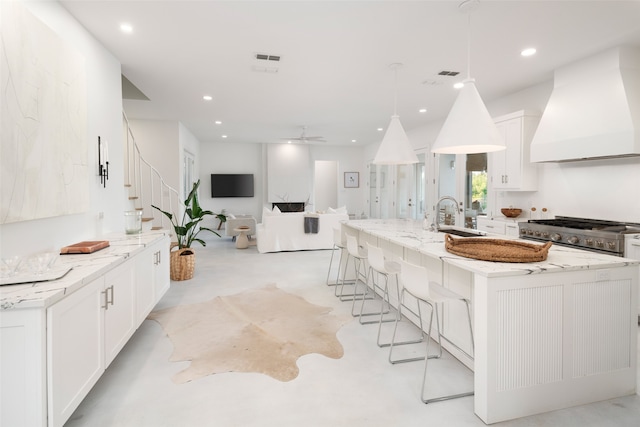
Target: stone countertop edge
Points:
(85, 269)
(409, 234)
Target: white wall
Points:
(104, 114)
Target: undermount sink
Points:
(462, 233)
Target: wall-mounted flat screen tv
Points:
(231, 185)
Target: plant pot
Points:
(182, 263)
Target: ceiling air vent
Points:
(448, 73)
(265, 57)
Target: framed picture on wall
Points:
(351, 179)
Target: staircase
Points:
(146, 186)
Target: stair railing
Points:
(148, 185)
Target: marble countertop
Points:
(409, 234)
(83, 269)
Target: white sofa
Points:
(286, 232)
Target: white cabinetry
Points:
(53, 353)
(85, 332)
(511, 229)
(510, 169)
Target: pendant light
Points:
(469, 128)
(395, 148)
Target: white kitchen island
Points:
(548, 335)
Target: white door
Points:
(188, 173)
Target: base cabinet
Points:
(51, 357)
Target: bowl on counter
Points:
(511, 212)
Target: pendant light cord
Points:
(395, 95)
(469, 45)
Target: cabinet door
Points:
(513, 153)
(145, 286)
(75, 350)
(161, 268)
(119, 312)
(497, 160)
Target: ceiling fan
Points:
(304, 138)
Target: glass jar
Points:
(133, 222)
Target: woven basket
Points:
(496, 249)
(182, 263)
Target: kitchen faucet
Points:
(436, 220)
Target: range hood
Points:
(593, 111)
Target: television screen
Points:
(232, 185)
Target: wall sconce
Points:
(103, 162)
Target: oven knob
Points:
(600, 243)
(556, 237)
(545, 234)
(573, 240)
(537, 233)
(530, 232)
(523, 231)
(611, 245)
(589, 242)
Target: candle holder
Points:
(103, 162)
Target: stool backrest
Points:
(375, 256)
(415, 279)
(352, 246)
(337, 237)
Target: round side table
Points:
(242, 241)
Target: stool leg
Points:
(374, 286)
(393, 342)
(386, 293)
(424, 375)
(333, 251)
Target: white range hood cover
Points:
(593, 111)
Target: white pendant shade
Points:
(469, 128)
(395, 148)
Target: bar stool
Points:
(359, 256)
(415, 281)
(379, 266)
(338, 244)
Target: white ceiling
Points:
(334, 74)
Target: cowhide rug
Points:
(264, 330)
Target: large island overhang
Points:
(548, 335)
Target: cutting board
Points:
(85, 247)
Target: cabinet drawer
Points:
(491, 226)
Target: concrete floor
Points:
(360, 389)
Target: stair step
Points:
(156, 228)
(139, 209)
(147, 219)
(128, 185)
(133, 197)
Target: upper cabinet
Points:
(511, 169)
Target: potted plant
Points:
(182, 262)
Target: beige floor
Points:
(360, 389)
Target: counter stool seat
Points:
(338, 245)
(359, 256)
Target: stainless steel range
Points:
(589, 234)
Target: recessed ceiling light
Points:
(288, 142)
(207, 97)
(126, 28)
(422, 110)
(218, 122)
(224, 136)
(380, 129)
(353, 140)
(528, 52)
(458, 85)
